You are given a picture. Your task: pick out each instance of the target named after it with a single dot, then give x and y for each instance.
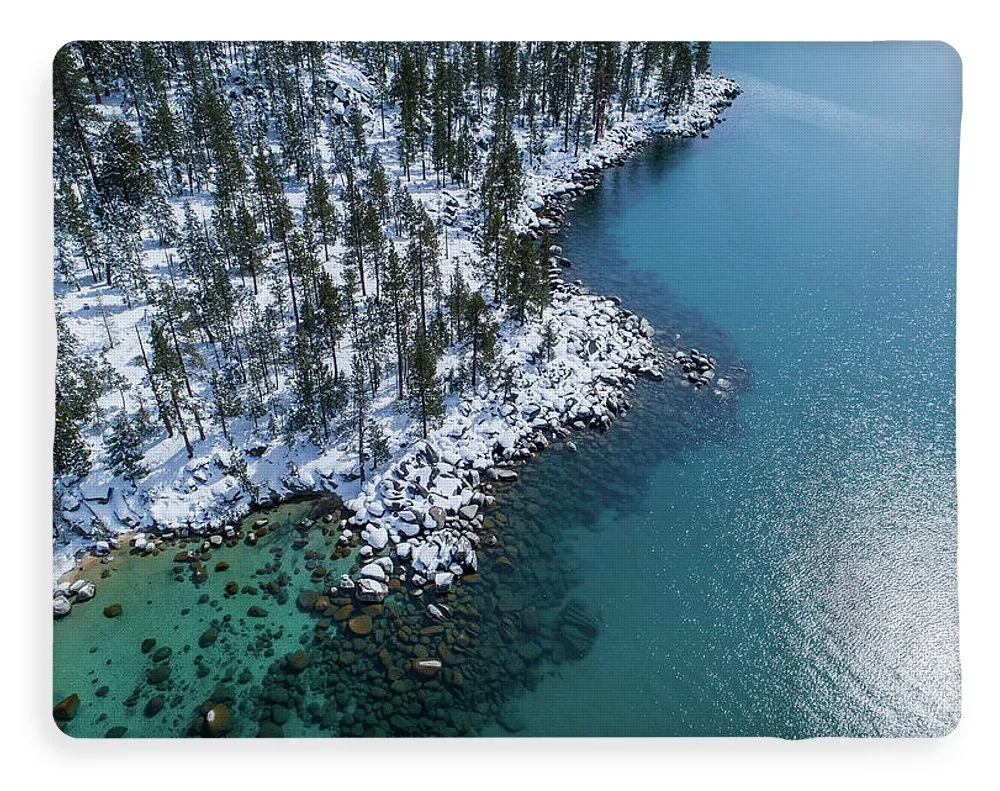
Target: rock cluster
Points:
(66, 594)
(697, 368)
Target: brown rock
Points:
(221, 565)
(298, 660)
(360, 624)
(426, 667)
(343, 613)
(307, 598)
(218, 720)
(65, 709)
(112, 611)
(232, 587)
(322, 603)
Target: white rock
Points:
(468, 512)
(60, 606)
(443, 581)
(371, 590)
(86, 591)
(374, 571)
(376, 536)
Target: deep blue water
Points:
(795, 577)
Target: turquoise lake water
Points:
(796, 578)
(778, 563)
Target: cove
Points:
(797, 577)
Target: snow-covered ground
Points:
(427, 501)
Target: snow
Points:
(599, 351)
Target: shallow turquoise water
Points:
(796, 578)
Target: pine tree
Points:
(378, 186)
(703, 51)
(70, 453)
(549, 339)
(321, 210)
(123, 447)
(359, 400)
(398, 299)
(378, 445)
(73, 118)
(481, 332)
(424, 384)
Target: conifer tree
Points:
(123, 447)
(321, 210)
(398, 299)
(73, 118)
(424, 385)
(378, 445)
(359, 401)
(702, 53)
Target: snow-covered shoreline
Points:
(428, 503)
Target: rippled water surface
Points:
(782, 563)
(798, 578)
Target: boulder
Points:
(468, 512)
(426, 667)
(298, 661)
(374, 571)
(208, 637)
(376, 536)
(370, 590)
(158, 674)
(65, 709)
(112, 611)
(60, 606)
(218, 720)
(307, 599)
(443, 581)
(360, 625)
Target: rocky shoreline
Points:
(419, 522)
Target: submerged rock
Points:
(360, 624)
(208, 637)
(112, 611)
(154, 706)
(66, 709)
(426, 667)
(298, 661)
(218, 720)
